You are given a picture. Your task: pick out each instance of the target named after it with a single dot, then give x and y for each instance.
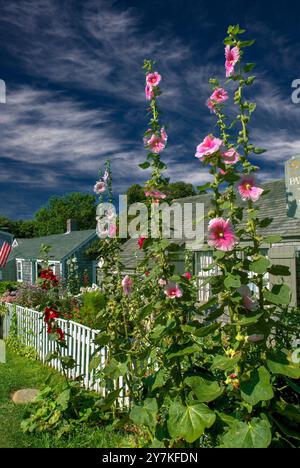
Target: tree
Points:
(52, 218)
(180, 189)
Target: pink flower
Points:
(156, 194)
(219, 95)
(231, 156)
(209, 146)
(153, 79)
(164, 135)
(187, 275)
(221, 235)
(248, 189)
(105, 176)
(211, 105)
(141, 241)
(149, 92)
(232, 57)
(156, 144)
(248, 302)
(100, 187)
(112, 230)
(127, 285)
(173, 290)
(162, 282)
(255, 338)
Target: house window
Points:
(19, 271)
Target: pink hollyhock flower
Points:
(231, 156)
(127, 285)
(164, 135)
(209, 146)
(221, 235)
(232, 57)
(156, 144)
(100, 187)
(219, 95)
(255, 338)
(149, 92)
(105, 176)
(112, 230)
(153, 79)
(162, 282)
(211, 105)
(173, 290)
(248, 302)
(187, 275)
(141, 241)
(248, 189)
(156, 194)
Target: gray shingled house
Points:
(287, 252)
(25, 260)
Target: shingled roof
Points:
(62, 245)
(272, 205)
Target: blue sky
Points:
(75, 89)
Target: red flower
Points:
(60, 333)
(147, 273)
(141, 241)
(188, 275)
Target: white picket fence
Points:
(80, 340)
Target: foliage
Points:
(8, 286)
(174, 190)
(92, 305)
(14, 345)
(73, 280)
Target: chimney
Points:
(71, 225)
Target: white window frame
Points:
(19, 262)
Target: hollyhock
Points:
(156, 144)
(248, 302)
(231, 156)
(211, 105)
(221, 235)
(60, 334)
(153, 79)
(219, 95)
(232, 57)
(112, 230)
(127, 285)
(100, 187)
(162, 282)
(141, 241)
(50, 314)
(248, 189)
(156, 194)
(187, 275)
(105, 176)
(149, 92)
(255, 338)
(164, 135)
(209, 146)
(173, 290)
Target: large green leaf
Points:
(256, 434)
(260, 266)
(279, 364)
(258, 387)
(205, 390)
(232, 281)
(280, 295)
(189, 422)
(182, 350)
(145, 415)
(115, 369)
(225, 363)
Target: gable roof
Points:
(62, 245)
(272, 205)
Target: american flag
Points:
(4, 254)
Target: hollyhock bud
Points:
(187, 275)
(127, 285)
(141, 241)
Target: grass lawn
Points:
(20, 373)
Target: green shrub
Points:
(15, 345)
(92, 304)
(7, 286)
